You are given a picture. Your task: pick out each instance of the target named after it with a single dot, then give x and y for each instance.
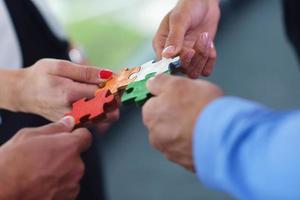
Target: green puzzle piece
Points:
(137, 92)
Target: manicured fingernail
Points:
(212, 45)
(204, 37)
(105, 74)
(68, 121)
(169, 50)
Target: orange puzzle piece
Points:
(120, 82)
(93, 109)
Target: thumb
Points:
(158, 84)
(177, 30)
(66, 124)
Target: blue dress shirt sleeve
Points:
(248, 150)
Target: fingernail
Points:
(68, 121)
(105, 74)
(169, 50)
(212, 45)
(204, 37)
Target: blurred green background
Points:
(110, 32)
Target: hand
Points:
(49, 88)
(189, 30)
(43, 163)
(171, 115)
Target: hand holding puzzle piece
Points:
(130, 84)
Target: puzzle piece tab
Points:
(86, 110)
(158, 67)
(120, 82)
(137, 92)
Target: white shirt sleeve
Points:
(10, 51)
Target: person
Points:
(38, 84)
(44, 162)
(238, 146)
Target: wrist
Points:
(9, 92)
(17, 91)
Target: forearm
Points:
(248, 150)
(10, 81)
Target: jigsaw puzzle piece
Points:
(158, 67)
(86, 110)
(120, 82)
(136, 92)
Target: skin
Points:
(49, 87)
(174, 140)
(30, 160)
(188, 30)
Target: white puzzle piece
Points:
(156, 67)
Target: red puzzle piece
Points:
(86, 110)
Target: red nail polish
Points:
(105, 74)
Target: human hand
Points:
(189, 30)
(171, 114)
(49, 88)
(43, 163)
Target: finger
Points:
(112, 116)
(186, 57)
(81, 73)
(160, 37)
(149, 112)
(211, 62)
(158, 84)
(83, 139)
(202, 48)
(81, 90)
(103, 127)
(178, 26)
(66, 124)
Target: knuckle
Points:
(114, 116)
(204, 52)
(181, 85)
(24, 132)
(147, 114)
(59, 65)
(154, 142)
(170, 157)
(81, 168)
(62, 63)
(85, 136)
(177, 17)
(68, 97)
(86, 73)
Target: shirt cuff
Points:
(213, 125)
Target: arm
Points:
(248, 150)
(233, 145)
